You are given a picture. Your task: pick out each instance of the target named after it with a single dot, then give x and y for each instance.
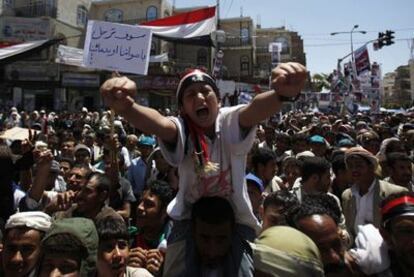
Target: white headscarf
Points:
(35, 220)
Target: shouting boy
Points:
(207, 143)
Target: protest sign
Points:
(16, 133)
(117, 47)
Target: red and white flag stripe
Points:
(186, 25)
(14, 49)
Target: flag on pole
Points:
(190, 27)
(362, 60)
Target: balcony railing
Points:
(134, 21)
(237, 42)
(36, 10)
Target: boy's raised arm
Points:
(118, 93)
(288, 79)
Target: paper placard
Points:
(117, 47)
(17, 133)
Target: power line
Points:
(228, 10)
(370, 31)
(338, 44)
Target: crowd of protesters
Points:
(211, 191)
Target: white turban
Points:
(34, 220)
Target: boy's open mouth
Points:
(202, 112)
(117, 266)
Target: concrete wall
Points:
(67, 10)
(133, 11)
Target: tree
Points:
(320, 81)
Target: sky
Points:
(314, 20)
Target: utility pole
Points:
(352, 44)
(218, 13)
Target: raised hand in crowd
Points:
(62, 202)
(137, 257)
(150, 259)
(43, 165)
(154, 261)
(288, 79)
(118, 93)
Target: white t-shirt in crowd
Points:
(229, 149)
(364, 206)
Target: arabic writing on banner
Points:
(117, 47)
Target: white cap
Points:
(34, 220)
(305, 154)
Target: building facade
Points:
(37, 82)
(388, 84)
(292, 49)
(402, 93)
(156, 88)
(239, 48)
(397, 87)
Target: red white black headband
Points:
(195, 76)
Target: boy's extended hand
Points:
(288, 79)
(118, 93)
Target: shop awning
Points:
(23, 50)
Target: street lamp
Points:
(352, 43)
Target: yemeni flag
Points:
(194, 27)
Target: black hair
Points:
(103, 181)
(161, 189)
(315, 204)
(213, 210)
(282, 198)
(314, 165)
(283, 136)
(299, 137)
(393, 157)
(67, 160)
(262, 156)
(111, 228)
(84, 167)
(338, 163)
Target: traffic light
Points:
(384, 39)
(381, 38)
(389, 37)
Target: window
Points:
(8, 3)
(114, 15)
(153, 50)
(244, 36)
(202, 57)
(81, 16)
(244, 65)
(152, 13)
